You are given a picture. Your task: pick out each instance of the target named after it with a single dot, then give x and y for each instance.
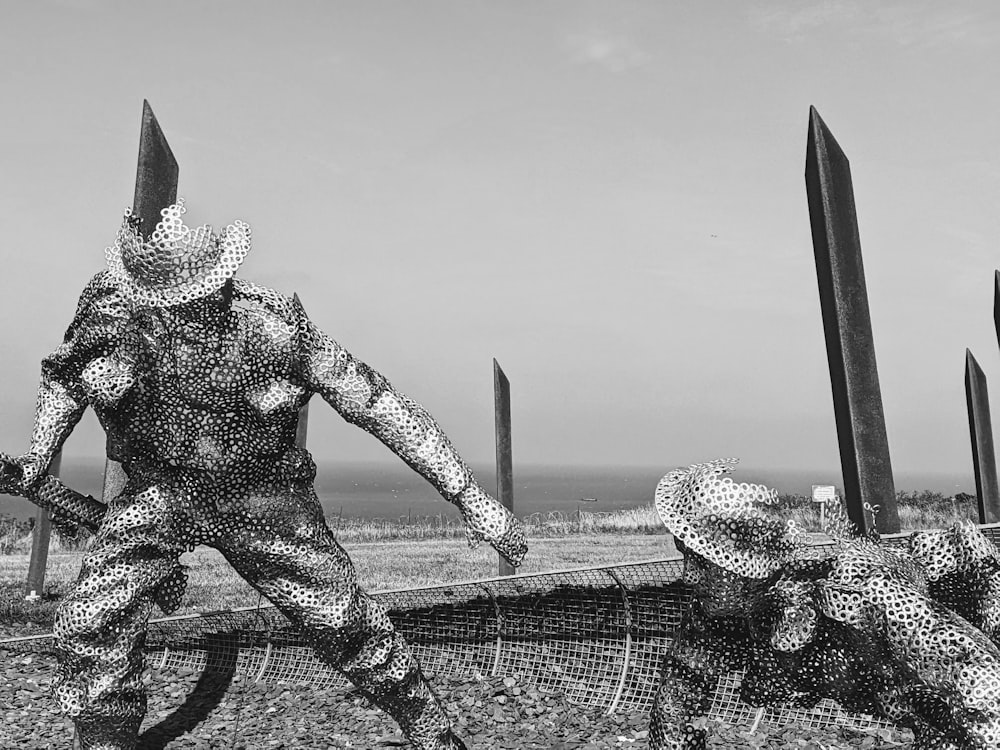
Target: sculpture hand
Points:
(20, 474)
(485, 518)
(512, 544)
(10, 476)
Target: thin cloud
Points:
(615, 53)
(83, 6)
(935, 26)
(905, 24)
(791, 21)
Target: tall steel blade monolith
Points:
(155, 175)
(850, 348)
(505, 461)
(155, 189)
(302, 428)
(981, 433)
(996, 303)
(41, 535)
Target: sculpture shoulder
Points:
(101, 311)
(101, 303)
(264, 300)
(97, 329)
(280, 317)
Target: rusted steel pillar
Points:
(155, 189)
(303, 425)
(505, 463)
(981, 432)
(996, 303)
(41, 535)
(850, 348)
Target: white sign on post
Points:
(822, 494)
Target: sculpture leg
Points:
(679, 701)
(292, 558)
(101, 625)
(705, 650)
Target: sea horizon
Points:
(393, 490)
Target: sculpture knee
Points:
(95, 607)
(80, 619)
(334, 612)
(354, 634)
(683, 693)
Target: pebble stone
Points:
(194, 711)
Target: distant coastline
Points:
(392, 490)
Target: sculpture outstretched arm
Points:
(62, 398)
(365, 398)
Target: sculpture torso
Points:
(213, 394)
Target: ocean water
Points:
(392, 490)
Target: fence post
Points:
(41, 534)
(850, 348)
(505, 463)
(981, 432)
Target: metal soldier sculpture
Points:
(876, 628)
(197, 378)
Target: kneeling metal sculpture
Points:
(900, 634)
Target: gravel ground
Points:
(210, 712)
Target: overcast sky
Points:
(606, 197)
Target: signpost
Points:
(822, 494)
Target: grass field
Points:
(380, 566)
(392, 555)
(404, 553)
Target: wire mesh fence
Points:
(597, 635)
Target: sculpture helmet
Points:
(176, 264)
(724, 521)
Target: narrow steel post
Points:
(850, 348)
(156, 173)
(996, 303)
(303, 425)
(41, 534)
(981, 432)
(505, 463)
(155, 189)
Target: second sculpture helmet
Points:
(176, 264)
(724, 521)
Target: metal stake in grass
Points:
(850, 348)
(996, 303)
(981, 432)
(41, 535)
(505, 462)
(302, 428)
(155, 189)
